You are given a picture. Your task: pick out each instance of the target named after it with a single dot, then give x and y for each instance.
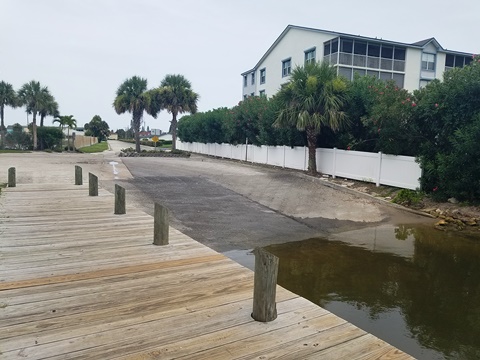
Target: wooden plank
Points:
(106, 272)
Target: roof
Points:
(423, 42)
(418, 44)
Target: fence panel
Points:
(357, 165)
(276, 155)
(83, 141)
(238, 152)
(400, 171)
(260, 154)
(325, 160)
(295, 158)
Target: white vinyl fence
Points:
(398, 171)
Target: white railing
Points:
(398, 171)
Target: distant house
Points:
(410, 66)
(145, 134)
(113, 136)
(10, 129)
(165, 137)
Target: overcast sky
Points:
(84, 49)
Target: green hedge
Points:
(148, 143)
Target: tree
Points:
(379, 114)
(132, 96)
(121, 133)
(313, 98)
(447, 119)
(18, 139)
(66, 121)
(177, 97)
(47, 107)
(8, 97)
(98, 128)
(31, 95)
(49, 137)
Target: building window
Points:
(459, 61)
(262, 93)
(253, 78)
(423, 83)
(310, 56)
(263, 76)
(245, 97)
(346, 46)
(252, 94)
(330, 50)
(286, 67)
(428, 62)
(244, 80)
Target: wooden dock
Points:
(78, 282)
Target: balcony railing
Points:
(366, 61)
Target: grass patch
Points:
(94, 148)
(12, 151)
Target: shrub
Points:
(408, 197)
(49, 137)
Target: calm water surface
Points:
(414, 287)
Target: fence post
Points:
(379, 168)
(119, 200)
(160, 225)
(12, 177)
(92, 185)
(334, 162)
(305, 158)
(78, 175)
(265, 286)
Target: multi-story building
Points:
(411, 66)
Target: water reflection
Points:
(414, 287)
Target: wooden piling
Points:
(92, 185)
(265, 286)
(78, 175)
(12, 177)
(119, 200)
(160, 225)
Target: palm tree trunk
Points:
(41, 119)
(312, 150)
(34, 129)
(68, 139)
(2, 128)
(136, 120)
(137, 140)
(174, 130)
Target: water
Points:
(414, 287)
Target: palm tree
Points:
(8, 97)
(132, 96)
(312, 98)
(177, 97)
(30, 95)
(66, 121)
(47, 107)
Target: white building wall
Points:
(413, 65)
(249, 89)
(440, 66)
(293, 45)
